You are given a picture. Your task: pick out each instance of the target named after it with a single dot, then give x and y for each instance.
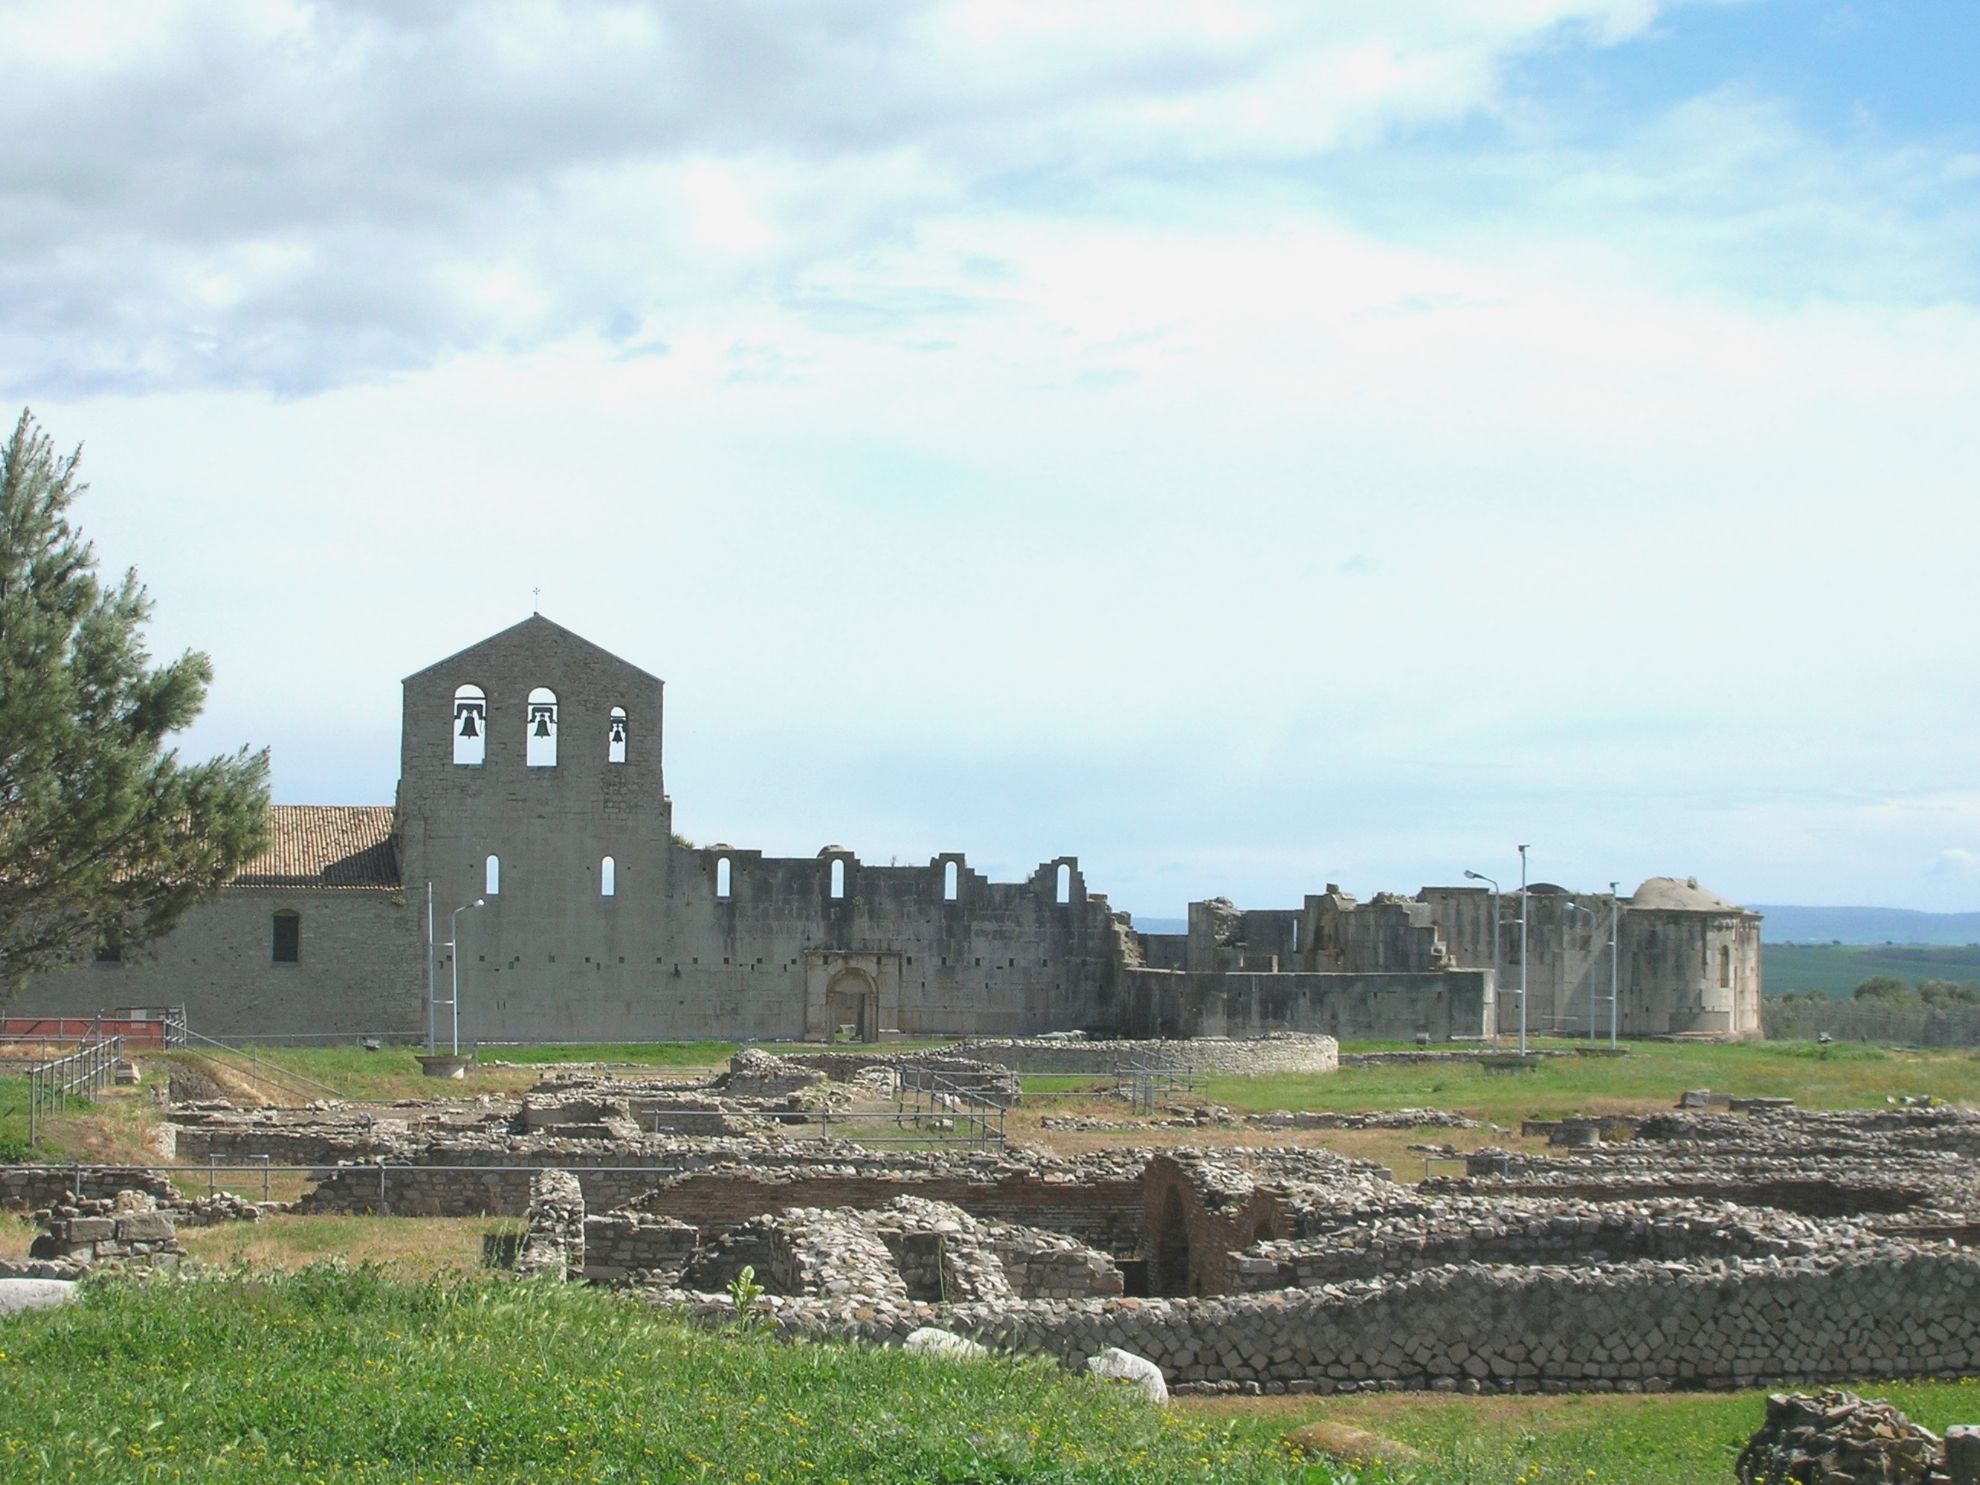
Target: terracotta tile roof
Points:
(325, 845)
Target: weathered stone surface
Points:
(930, 1341)
(34, 1294)
(1116, 1365)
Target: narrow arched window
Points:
(288, 938)
(615, 736)
(470, 725)
(722, 877)
(950, 876)
(491, 877)
(608, 877)
(1725, 967)
(838, 878)
(541, 745)
(1065, 883)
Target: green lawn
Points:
(1608, 1438)
(335, 1373)
(394, 1072)
(352, 1376)
(1837, 969)
(1650, 1075)
(13, 1117)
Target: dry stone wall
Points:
(1279, 1052)
(1893, 1310)
(28, 1188)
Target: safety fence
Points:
(82, 1074)
(1139, 1076)
(948, 1105)
(249, 1061)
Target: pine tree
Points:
(105, 836)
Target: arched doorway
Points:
(852, 1007)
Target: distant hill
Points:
(1866, 925)
(1836, 970)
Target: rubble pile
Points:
(1838, 1438)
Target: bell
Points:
(468, 729)
(543, 724)
(618, 730)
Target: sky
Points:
(1247, 445)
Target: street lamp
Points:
(454, 968)
(1615, 907)
(1589, 973)
(1479, 876)
(1524, 957)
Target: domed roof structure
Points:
(1680, 895)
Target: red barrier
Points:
(135, 1033)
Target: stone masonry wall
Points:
(1352, 1007)
(1101, 1213)
(28, 1188)
(359, 968)
(1896, 1310)
(1225, 1056)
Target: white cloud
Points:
(1136, 412)
(296, 197)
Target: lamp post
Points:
(1615, 909)
(1479, 876)
(1589, 974)
(1523, 955)
(454, 967)
(431, 1023)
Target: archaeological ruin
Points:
(532, 798)
(1716, 1245)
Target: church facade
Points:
(530, 860)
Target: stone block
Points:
(144, 1227)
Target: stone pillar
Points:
(1963, 1453)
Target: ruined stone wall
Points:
(499, 1188)
(621, 1246)
(978, 1075)
(1897, 1310)
(1347, 1007)
(553, 1242)
(28, 1188)
(1278, 1052)
(1408, 1236)
(780, 956)
(1103, 1214)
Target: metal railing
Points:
(1138, 1075)
(940, 1102)
(287, 1080)
(265, 1168)
(82, 1074)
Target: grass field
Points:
(405, 1247)
(354, 1376)
(1650, 1076)
(351, 1374)
(1586, 1437)
(422, 1367)
(1837, 969)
